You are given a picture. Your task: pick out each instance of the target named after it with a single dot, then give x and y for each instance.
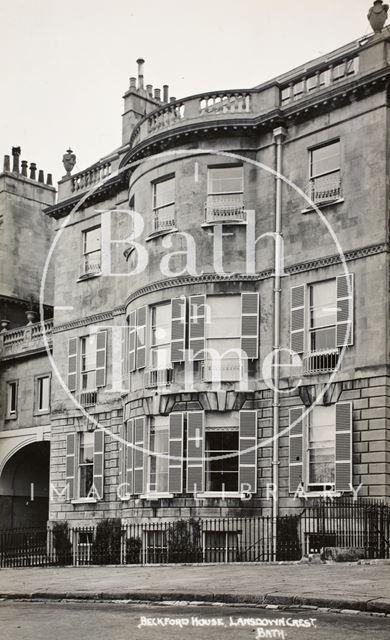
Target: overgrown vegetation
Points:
(106, 547)
(62, 543)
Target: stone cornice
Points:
(301, 267)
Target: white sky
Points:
(66, 64)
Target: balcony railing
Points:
(227, 102)
(89, 177)
(25, 338)
(158, 378)
(224, 370)
(320, 361)
(325, 189)
(88, 398)
(91, 264)
(225, 208)
(164, 219)
(310, 83)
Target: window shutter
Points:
(197, 326)
(297, 318)
(139, 454)
(122, 457)
(195, 451)
(101, 357)
(124, 352)
(175, 469)
(71, 465)
(178, 329)
(247, 459)
(140, 349)
(295, 449)
(343, 446)
(98, 462)
(344, 324)
(72, 364)
(129, 437)
(250, 324)
(132, 340)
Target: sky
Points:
(66, 64)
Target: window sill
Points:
(88, 276)
(84, 501)
(320, 494)
(155, 496)
(220, 494)
(213, 223)
(44, 412)
(322, 205)
(163, 232)
(13, 417)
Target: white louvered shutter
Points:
(71, 464)
(132, 340)
(195, 451)
(178, 329)
(248, 452)
(343, 446)
(250, 324)
(345, 308)
(175, 462)
(139, 454)
(98, 462)
(72, 364)
(297, 318)
(129, 436)
(101, 358)
(197, 326)
(295, 449)
(140, 357)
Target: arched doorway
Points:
(24, 487)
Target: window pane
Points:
(323, 304)
(224, 316)
(161, 324)
(325, 159)
(164, 193)
(12, 397)
(158, 477)
(221, 471)
(226, 180)
(86, 480)
(321, 444)
(88, 353)
(43, 393)
(92, 240)
(86, 447)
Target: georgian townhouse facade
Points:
(231, 231)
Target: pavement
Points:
(349, 586)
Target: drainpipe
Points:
(279, 135)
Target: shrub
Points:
(62, 543)
(184, 541)
(133, 548)
(106, 547)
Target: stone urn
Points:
(377, 15)
(69, 160)
(4, 325)
(30, 315)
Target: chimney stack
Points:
(6, 166)
(165, 93)
(140, 63)
(16, 155)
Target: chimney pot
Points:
(149, 90)
(7, 165)
(165, 92)
(41, 177)
(133, 83)
(24, 167)
(157, 94)
(49, 180)
(16, 155)
(172, 99)
(33, 169)
(140, 63)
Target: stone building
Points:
(25, 373)
(229, 228)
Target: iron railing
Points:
(344, 523)
(224, 208)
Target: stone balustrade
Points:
(91, 176)
(22, 339)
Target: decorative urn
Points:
(377, 15)
(69, 160)
(30, 315)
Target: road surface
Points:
(132, 621)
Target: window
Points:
(12, 398)
(161, 336)
(43, 394)
(164, 205)
(321, 449)
(86, 451)
(158, 459)
(223, 331)
(221, 467)
(225, 199)
(325, 175)
(91, 261)
(88, 363)
(323, 315)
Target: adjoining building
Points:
(165, 319)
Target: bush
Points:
(133, 548)
(62, 543)
(106, 547)
(184, 541)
